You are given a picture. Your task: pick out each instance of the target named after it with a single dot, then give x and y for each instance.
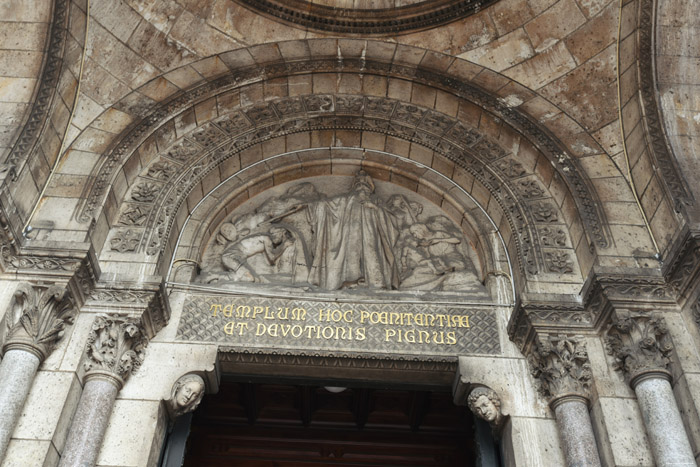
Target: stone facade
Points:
(495, 197)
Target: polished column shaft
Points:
(90, 421)
(662, 419)
(576, 431)
(17, 371)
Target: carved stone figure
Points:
(355, 239)
(485, 404)
(186, 394)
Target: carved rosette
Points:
(639, 343)
(115, 348)
(561, 365)
(36, 319)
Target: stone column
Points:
(33, 326)
(640, 344)
(114, 349)
(563, 369)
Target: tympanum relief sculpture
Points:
(342, 233)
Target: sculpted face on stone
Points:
(351, 238)
(485, 404)
(186, 394)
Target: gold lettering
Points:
(363, 316)
(451, 338)
(257, 310)
(272, 329)
(216, 308)
(229, 327)
(241, 327)
(324, 315)
(228, 310)
(441, 335)
(268, 315)
(243, 311)
(299, 314)
(347, 316)
(260, 330)
(283, 313)
(410, 336)
(297, 331)
(360, 334)
(323, 332)
(423, 337)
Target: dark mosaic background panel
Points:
(203, 320)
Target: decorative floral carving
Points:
(161, 171)
(544, 212)
(559, 261)
(561, 365)
(115, 345)
(145, 192)
(125, 240)
(552, 236)
(37, 317)
(638, 342)
(183, 150)
(134, 215)
(511, 168)
(531, 189)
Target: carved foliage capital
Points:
(37, 318)
(562, 366)
(115, 345)
(639, 342)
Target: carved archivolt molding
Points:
(26, 142)
(36, 318)
(657, 141)
(562, 366)
(380, 18)
(147, 215)
(248, 130)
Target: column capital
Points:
(561, 365)
(639, 343)
(115, 347)
(37, 317)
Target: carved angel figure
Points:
(485, 404)
(186, 394)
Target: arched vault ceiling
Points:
(562, 50)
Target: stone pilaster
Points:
(561, 365)
(33, 325)
(640, 345)
(115, 348)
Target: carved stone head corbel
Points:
(185, 395)
(485, 403)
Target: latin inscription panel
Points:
(330, 328)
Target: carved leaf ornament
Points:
(562, 366)
(638, 342)
(115, 345)
(37, 318)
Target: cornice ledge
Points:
(76, 267)
(682, 268)
(548, 314)
(148, 300)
